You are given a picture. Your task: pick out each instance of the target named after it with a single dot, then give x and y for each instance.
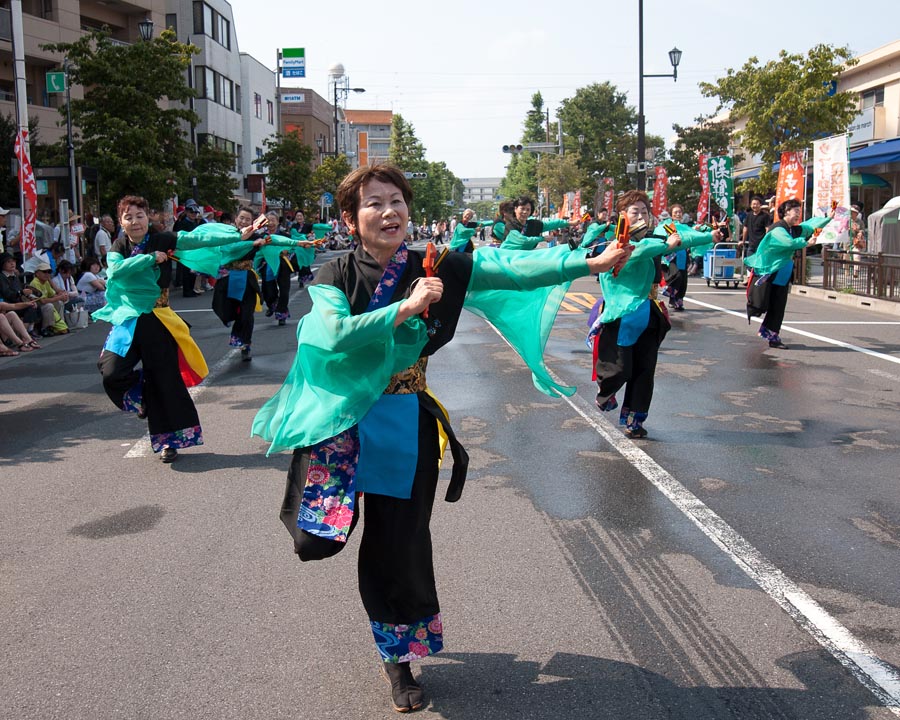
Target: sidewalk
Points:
(813, 290)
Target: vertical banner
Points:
(703, 205)
(29, 187)
(564, 207)
(660, 192)
(609, 194)
(831, 178)
(262, 181)
(791, 179)
(576, 205)
(362, 141)
(721, 184)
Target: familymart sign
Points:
(293, 62)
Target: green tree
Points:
(683, 166)
(786, 103)
(288, 162)
(406, 150)
(39, 154)
(325, 179)
(559, 175)
(213, 167)
(601, 114)
(130, 123)
(521, 174)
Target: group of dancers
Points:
(366, 433)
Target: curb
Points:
(861, 302)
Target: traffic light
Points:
(415, 175)
(514, 149)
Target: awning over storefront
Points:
(754, 173)
(877, 154)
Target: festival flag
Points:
(791, 178)
(29, 188)
(660, 192)
(576, 205)
(703, 205)
(564, 207)
(831, 179)
(720, 182)
(609, 194)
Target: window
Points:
(212, 24)
(237, 99)
(257, 105)
(270, 112)
(239, 160)
(172, 22)
(210, 85)
(873, 97)
(259, 166)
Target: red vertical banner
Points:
(576, 205)
(564, 208)
(262, 184)
(791, 178)
(703, 205)
(660, 192)
(609, 194)
(29, 188)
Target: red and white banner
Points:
(609, 194)
(703, 205)
(576, 205)
(29, 187)
(660, 192)
(831, 178)
(791, 179)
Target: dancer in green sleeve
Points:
(773, 268)
(357, 413)
(627, 334)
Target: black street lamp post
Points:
(675, 59)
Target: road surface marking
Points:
(789, 328)
(870, 670)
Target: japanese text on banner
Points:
(703, 205)
(660, 191)
(29, 188)
(721, 183)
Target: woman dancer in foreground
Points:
(356, 411)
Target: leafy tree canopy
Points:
(786, 102)
(289, 168)
(325, 179)
(130, 123)
(213, 168)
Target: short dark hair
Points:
(626, 199)
(88, 261)
(788, 205)
(758, 197)
(523, 200)
(64, 265)
(129, 200)
(348, 191)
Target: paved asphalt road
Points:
(722, 568)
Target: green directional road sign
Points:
(56, 82)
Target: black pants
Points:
(778, 297)
(676, 281)
(166, 399)
(396, 571)
(634, 365)
(277, 292)
(238, 312)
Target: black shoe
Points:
(777, 344)
(269, 312)
(406, 693)
(169, 455)
(190, 294)
(636, 433)
(245, 354)
(282, 322)
(142, 413)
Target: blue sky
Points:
(463, 73)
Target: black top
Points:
(358, 273)
(156, 242)
(756, 228)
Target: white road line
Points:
(870, 670)
(789, 328)
(845, 322)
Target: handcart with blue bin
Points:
(722, 264)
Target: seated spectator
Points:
(65, 280)
(91, 286)
(14, 297)
(51, 301)
(14, 336)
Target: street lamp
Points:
(337, 74)
(145, 28)
(675, 59)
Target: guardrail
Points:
(872, 274)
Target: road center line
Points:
(796, 331)
(870, 670)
